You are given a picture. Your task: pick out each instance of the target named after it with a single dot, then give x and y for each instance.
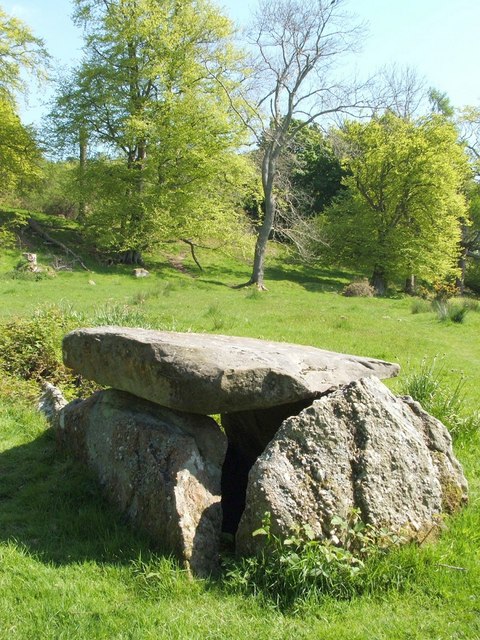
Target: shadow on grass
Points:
(53, 507)
(311, 278)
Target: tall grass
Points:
(444, 401)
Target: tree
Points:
(401, 91)
(316, 169)
(162, 128)
(299, 43)
(468, 121)
(20, 158)
(20, 51)
(402, 210)
(308, 176)
(440, 103)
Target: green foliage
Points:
(20, 51)
(56, 192)
(403, 206)
(20, 160)
(150, 94)
(11, 222)
(29, 347)
(30, 352)
(297, 569)
(472, 276)
(316, 169)
(440, 103)
(441, 400)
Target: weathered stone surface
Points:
(160, 467)
(209, 374)
(248, 433)
(357, 447)
(51, 403)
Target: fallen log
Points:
(34, 225)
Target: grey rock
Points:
(159, 467)
(141, 273)
(51, 402)
(361, 447)
(209, 374)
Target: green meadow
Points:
(72, 568)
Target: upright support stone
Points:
(358, 447)
(160, 467)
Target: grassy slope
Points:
(70, 568)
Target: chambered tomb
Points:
(306, 434)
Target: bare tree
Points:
(402, 91)
(469, 124)
(299, 44)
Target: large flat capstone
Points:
(207, 374)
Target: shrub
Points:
(300, 568)
(444, 290)
(448, 310)
(30, 346)
(30, 351)
(360, 289)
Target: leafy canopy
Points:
(20, 51)
(147, 98)
(403, 206)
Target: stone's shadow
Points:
(52, 506)
(234, 488)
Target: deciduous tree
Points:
(20, 51)
(403, 207)
(166, 133)
(299, 44)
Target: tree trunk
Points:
(378, 280)
(269, 167)
(83, 148)
(261, 244)
(462, 264)
(410, 285)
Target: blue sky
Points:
(439, 38)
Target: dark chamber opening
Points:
(248, 433)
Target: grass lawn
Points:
(70, 567)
